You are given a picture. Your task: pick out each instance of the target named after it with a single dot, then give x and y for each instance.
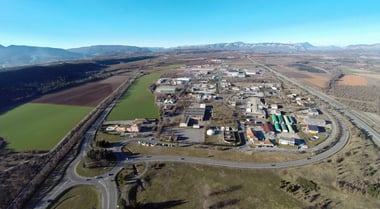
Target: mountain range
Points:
(26, 55)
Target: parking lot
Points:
(190, 135)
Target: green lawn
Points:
(83, 197)
(138, 101)
(35, 126)
(108, 137)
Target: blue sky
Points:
(166, 23)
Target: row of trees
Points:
(103, 143)
(100, 154)
(2, 142)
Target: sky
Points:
(168, 23)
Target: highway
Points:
(107, 186)
(338, 106)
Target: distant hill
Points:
(263, 47)
(364, 47)
(12, 55)
(25, 55)
(107, 50)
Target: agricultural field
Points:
(84, 197)
(352, 80)
(138, 101)
(42, 123)
(34, 126)
(90, 94)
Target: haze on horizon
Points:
(168, 23)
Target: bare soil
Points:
(353, 80)
(89, 94)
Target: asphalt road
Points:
(338, 106)
(107, 186)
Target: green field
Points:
(35, 126)
(137, 102)
(83, 197)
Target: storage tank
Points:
(210, 132)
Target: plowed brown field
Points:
(353, 80)
(90, 94)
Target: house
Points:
(135, 128)
(312, 129)
(120, 129)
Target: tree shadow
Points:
(161, 205)
(224, 203)
(226, 191)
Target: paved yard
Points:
(190, 135)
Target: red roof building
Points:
(268, 127)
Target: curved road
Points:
(107, 186)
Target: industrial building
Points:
(268, 128)
(315, 122)
(193, 115)
(257, 138)
(276, 124)
(292, 142)
(287, 141)
(167, 89)
(312, 129)
(254, 106)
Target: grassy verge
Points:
(91, 172)
(264, 157)
(84, 197)
(138, 102)
(168, 187)
(39, 126)
(108, 137)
